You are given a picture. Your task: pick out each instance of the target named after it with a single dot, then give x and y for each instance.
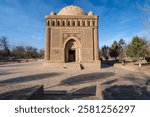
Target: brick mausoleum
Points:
(72, 39)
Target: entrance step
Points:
(72, 66)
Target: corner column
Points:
(47, 44)
(96, 43)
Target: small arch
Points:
(94, 23)
(89, 23)
(73, 23)
(83, 23)
(53, 23)
(63, 23)
(78, 23)
(58, 23)
(69, 23)
(48, 23)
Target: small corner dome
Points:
(72, 10)
(91, 13)
(52, 13)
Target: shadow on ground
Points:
(126, 92)
(74, 95)
(86, 78)
(23, 94)
(6, 73)
(12, 65)
(29, 78)
(136, 79)
(106, 64)
(34, 93)
(110, 82)
(91, 90)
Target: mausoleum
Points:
(72, 39)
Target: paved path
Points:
(23, 75)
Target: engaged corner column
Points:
(47, 45)
(96, 43)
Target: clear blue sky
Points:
(22, 21)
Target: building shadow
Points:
(126, 92)
(140, 80)
(86, 78)
(79, 94)
(28, 78)
(23, 94)
(110, 82)
(91, 90)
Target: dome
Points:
(90, 13)
(52, 13)
(71, 10)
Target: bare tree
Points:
(41, 53)
(31, 52)
(4, 43)
(19, 52)
(4, 48)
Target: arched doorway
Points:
(71, 51)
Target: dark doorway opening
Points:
(71, 56)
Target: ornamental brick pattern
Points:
(72, 36)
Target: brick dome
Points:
(71, 10)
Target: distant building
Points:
(72, 38)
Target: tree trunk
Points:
(140, 65)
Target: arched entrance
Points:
(71, 51)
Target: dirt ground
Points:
(17, 76)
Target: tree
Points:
(147, 58)
(105, 52)
(41, 53)
(5, 52)
(121, 44)
(4, 43)
(137, 49)
(114, 52)
(121, 49)
(31, 52)
(19, 52)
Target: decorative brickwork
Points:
(72, 36)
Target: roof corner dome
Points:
(52, 13)
(90, 13)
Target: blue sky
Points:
(22, 21)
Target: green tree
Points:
(105, 52)
(121, 49)
(114, 52)
(147, 58)
(137, 49)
